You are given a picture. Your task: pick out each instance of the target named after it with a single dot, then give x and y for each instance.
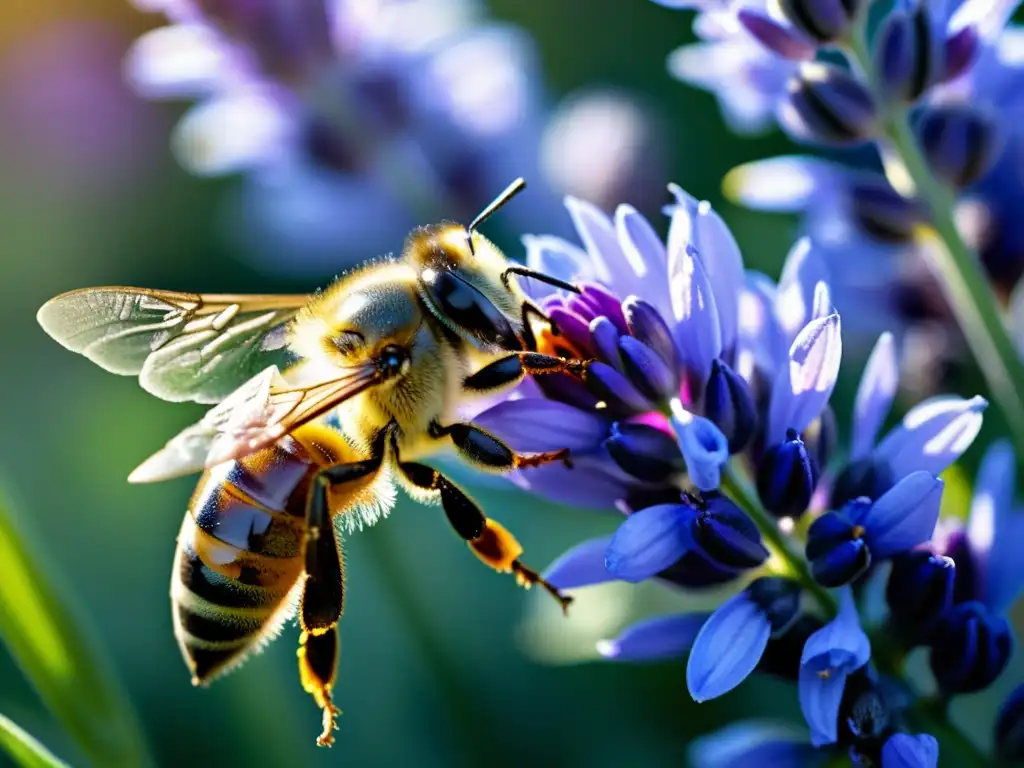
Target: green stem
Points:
(955, 267)
(736, 483)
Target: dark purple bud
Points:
(1010, 728)
(726, 535)
(883, 212)
(960, 141)
(615, 390)
(910, 54)
(920, 590)
(574, 328)
(729, 403)
(836, 550)
(782, 656)
(694, 571)
(647, 325)
(865, 477)
(866, 715)
(775, 37)
(645, 452)
(596, 301)
(786, 477)
(970, 647)
(961, 50)
(648, 370)
(604, 337)
(779, 600)
(822, 20)
(828, 105)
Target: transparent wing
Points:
(256, 415)
(182, 346)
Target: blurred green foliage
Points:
(433, 669)
(24, 750)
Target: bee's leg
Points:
(488, 539)
(323, 592)
(511, 369)
(484, 450)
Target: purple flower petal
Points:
(987, 17)
(647, 253)
(905, 515)
(663, 637)
(759, 333)
(649, 541)
(746, 744)
(802, 391)
(697, 331)
(174, 61)
(581, 566)
(785, 184)
(933, 435)
(903, 750)
(776, 37)
(727, 648)
(598, 486)
(820, 697)
(536, 425)
(602, 243)
(794, 302)
(878, 386)
(558, 258)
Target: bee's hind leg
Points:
(323, 590)
(488, 539)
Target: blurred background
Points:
(443, 662)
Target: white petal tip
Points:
(608, 649)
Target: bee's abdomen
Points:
(239, 558)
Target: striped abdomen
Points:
(239, 556)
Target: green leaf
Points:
(24, 749)
(57, 649)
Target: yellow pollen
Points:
(858, 531)
(825, 674)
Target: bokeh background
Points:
(443, 662)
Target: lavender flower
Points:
(704, 417)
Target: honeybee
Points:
(324, 403)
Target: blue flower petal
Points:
(933, 435)
(785, 184)
(536, 425)
(662, 637)
(748, 743)
(905, 751)
(803, 271)
(581, 566)
(875, 394)
(820, 697)
(841, 644)
(601, 240)
(649, 541)
(705, 449)
(801, 391)
(727, 649)
(698, 224)
(645, 251)
(905, 515)
(697, 331)
(759, 332)
(558, 258)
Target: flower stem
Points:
(953, 264)
(736, 483)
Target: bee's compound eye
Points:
(393, 361)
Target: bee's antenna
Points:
(510, 191)
(527, 272)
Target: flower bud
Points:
(920, 590)
(866, 714)
(970, 647)
(776, 37)
(824, 21)
(828, 105)
(729, 403)
(821, 436)
(648, 371)
(646, 324)
(961, 50)
(865, 477)
(960, 142)
(836, 549)
(1010, 728)
(786, 477)
(618, 394)
(778, 599)
(645, 452)
(883, 212)
(694, 571)
(910, 54)
(726, 535)
(604, 336)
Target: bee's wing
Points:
(256, 415)
(182, 346)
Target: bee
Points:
(324, 404)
